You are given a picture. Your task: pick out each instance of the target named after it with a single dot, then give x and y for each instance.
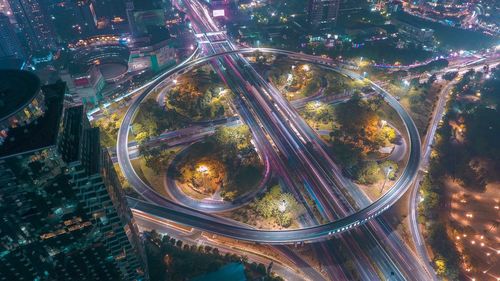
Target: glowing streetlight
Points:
(282, 206)
(389, 170)
(306, 67)
(317, 104)
(202, 169)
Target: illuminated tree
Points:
(369, 173)
(281, 206)
(440, 266)
(391, 167)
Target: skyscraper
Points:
(87, 14)
(111, 15)
(62, 209)
(9, 43)
(72, 19)
(144, 15)
(35, 27)
(323, 12)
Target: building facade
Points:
(86, 87)
(35, 27)
(323, 12)
(9, 43)
(64, 216)
(151, 56)
(21, 100)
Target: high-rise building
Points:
(323, 12)
(9, 43)
(111, 15)
(35, 27)
(62, 210)
(87, 14)
(144, 15)
(72, 19)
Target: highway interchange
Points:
(345, 211)
(165, 208)
(349, 219)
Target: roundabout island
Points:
(156, 204)
(216, 174)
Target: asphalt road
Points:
(413, 201)
(307, 234)
(304, 133)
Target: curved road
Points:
(165, 208)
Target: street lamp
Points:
(389, 170)
(203, 169)
(383, 122)
(282, 209)
(282, 206)
(317, 104)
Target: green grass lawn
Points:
(148, 175)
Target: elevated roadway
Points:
(156, 204)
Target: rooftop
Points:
(43, 131)
(17, 89)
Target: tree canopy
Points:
(272, 203)
(360, 126)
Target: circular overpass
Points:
(160, 206)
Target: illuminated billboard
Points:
(218, 13)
